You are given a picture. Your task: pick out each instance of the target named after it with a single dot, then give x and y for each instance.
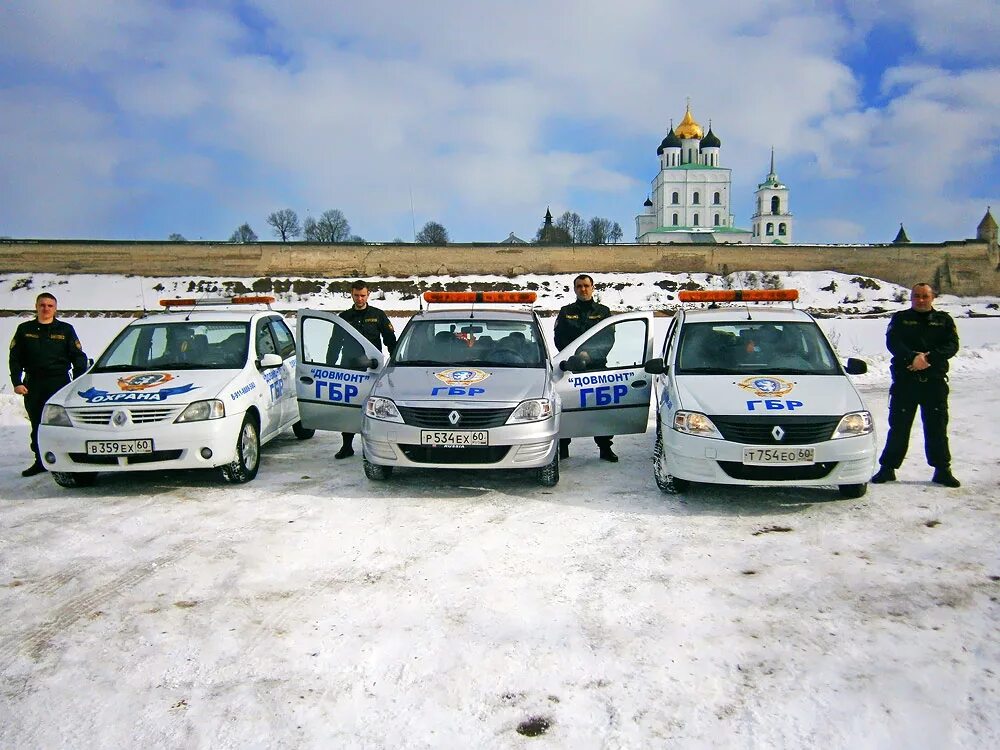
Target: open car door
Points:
(601, 381)
(335, 371)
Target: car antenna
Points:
(745, 305)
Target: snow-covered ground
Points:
(313, 608)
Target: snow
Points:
(313, 608)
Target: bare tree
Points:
(432, 234)
(244, 234)
(174, 237)
(574, 226)
(615, 235)
(285, 224)
(598, 230)
(332, 226)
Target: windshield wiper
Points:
(422, 363)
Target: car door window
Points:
(264, 340)
(620, 345)
(286, 344)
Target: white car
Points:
(472, 387)
(755, 395)
(202, 388)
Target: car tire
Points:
(667, 483)
(548, 475)
(302, 433)
(244, 468)
(376, 472)
(75, 478)
(853, 491)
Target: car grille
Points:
(472, 419)
(141, 458)
(473, 455)
(137, 414)
(757, 430)
(737, 470)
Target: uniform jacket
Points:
(576, 318)
(911, 332)
(372, 323)
(41, 351)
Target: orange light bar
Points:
(510, 298)
(735, 295)
(244, 300)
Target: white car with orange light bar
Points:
(194, 389)
(755, 395)
(473, 387)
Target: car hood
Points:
(152, 387)
(806, 395)
(482, 385)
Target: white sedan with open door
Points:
(473, 387)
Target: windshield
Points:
(483, 342)
(738, 348)
(177, 346)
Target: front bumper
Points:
(698, 459)
(175, 446)
(521, 446)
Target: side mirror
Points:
(574, 364)
(655, 366)
(361, 362)
(269, 361)
(856, 366)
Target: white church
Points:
(691, 196)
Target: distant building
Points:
(772, 221)
(691, 193)
(512, 239)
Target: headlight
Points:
(382, 408)
(695, 423)
(854, 424)
(55, 415)
(533, 410)
(199, 411)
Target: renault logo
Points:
(455, 417)
(778, 433)
(120, 417)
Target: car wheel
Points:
(548, 475)
(302, 433)
(667, 483)
(244, 468)
(376, 472)
(853, 490)
(75, 479)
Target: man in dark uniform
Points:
(921, 341)
(375, 326)
(573, 320)
(42, 352)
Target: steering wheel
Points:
(506, 357)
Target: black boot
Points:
(608, 455)
(884, 474)
(347, 450)
(35, 468)
(945, 477)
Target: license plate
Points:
(453, 439)
(119, 447)
(782, 456)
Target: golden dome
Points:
(688, 127)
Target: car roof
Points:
(204, 316)
(746, 313)
(472, 313)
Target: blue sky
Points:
(137, 119)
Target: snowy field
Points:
(312, 608)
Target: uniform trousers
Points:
(905, 396)
(40, 390)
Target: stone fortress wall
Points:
(964, 267)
